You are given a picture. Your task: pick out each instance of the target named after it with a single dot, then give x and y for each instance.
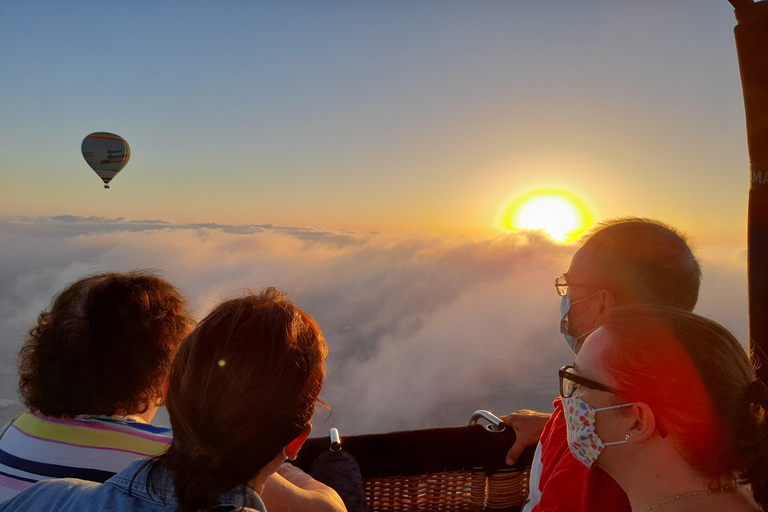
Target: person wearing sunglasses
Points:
(667, 403)
(623, 261)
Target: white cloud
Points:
(422, 330)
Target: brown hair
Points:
(243, 386)
(644, 260)
(103, 346)
(699, 383)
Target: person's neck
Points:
(145, 417)
(258, 482)
(656, 473)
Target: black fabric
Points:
(340, 471)
(415, 452)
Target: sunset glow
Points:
(561, 215)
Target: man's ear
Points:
(292, 449)
(607, 301)
(644, 424)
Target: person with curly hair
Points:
(91, 372)
(240, 395)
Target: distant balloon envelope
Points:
(106, 153)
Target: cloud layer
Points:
(422, 330)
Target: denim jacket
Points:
(70, 495)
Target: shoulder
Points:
(72, 495)
(554, 430)
(38, 447)
(61, 495)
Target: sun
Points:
(562, 215)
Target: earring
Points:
(626, 438)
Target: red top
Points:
(566, 484)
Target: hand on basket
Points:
(528, 426)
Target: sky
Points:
(358, 155)
(424, 116)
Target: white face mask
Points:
(583, 440)
(565, 307)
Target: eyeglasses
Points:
(569, 382)
(563, 287)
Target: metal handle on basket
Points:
(495, 423)
(335, 440)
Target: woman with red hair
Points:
(240, 395)
(668, 404)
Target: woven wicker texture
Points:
(446, 492)
(507, 489)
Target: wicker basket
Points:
(448, 491)
(507, 489)
(435, 470)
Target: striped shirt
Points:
(36, 447)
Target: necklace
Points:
(694, 493)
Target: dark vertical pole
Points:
(752, 47)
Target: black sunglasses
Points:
(569, 381)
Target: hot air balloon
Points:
(106, 153)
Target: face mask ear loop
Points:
(626, 437)
(586, 333)
(585, 298)
(614, 407)
(285, 457)
(626, 440)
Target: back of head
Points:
(104, 346)
(643, 260)
(242, 387)
(699, 383)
